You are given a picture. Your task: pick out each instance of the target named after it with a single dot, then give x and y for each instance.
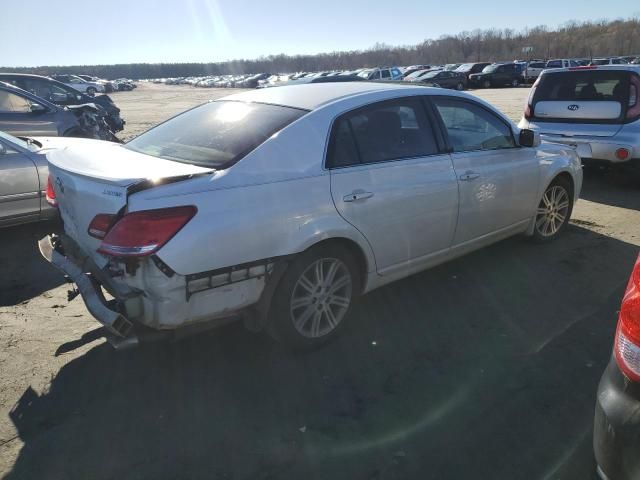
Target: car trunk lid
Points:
(91, 177)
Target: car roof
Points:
(626, 66)
(313, 95)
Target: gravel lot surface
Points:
(484, 368)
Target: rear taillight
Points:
(100, 225)
(51, 194)
(528, 109)
(633, 110)
(627, 343)
(142, 233)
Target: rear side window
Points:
(386, 74)
(216, 134)
(389, 130)
(554, 64)
(471, 127)
(593, 85)
(537, 65)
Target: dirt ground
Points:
(484, 368)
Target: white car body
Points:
(281, 199)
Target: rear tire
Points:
(314, 297)
(554, 211)
(486, 84)
(515, 82)
(460, 86)
(91, 91)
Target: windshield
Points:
(465, 67)
(365, 73)
(431, 74)
(216, 134)
(489, 69)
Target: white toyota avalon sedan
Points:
(282, 205)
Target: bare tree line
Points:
(570, 40)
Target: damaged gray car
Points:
(24, 114)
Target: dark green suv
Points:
(498, 75)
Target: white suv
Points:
(594, 109)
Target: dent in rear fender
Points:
(243, 224)
(555, 159)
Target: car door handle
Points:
(357, 195)
(469, 176)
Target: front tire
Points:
(314, 298)
(554, 211)
(486, 84)
(460, 86)
(91, 91)
(515, 82)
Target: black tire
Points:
(281, 314)
(542, 230)
(515, 82)
(91, 91)
(460, 86)
(486, 84)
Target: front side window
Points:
(215, 135)
(471, 127)
(386, 74)
(10, 102)
(389, 130)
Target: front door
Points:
(389, 181)
(17, 118)
(498, 179)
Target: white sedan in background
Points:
(282, 205)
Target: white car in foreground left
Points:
(282, 205)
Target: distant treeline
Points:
(572, 39)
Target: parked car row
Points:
(32, 105)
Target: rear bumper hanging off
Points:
(120, 328)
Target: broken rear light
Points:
(100, 225)
(142, 233)
(50, 195)
(627, 342)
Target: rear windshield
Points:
(595, 85)
(216, 134)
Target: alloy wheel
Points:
(552, 211)
(321, 297)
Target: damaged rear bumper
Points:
(121, 331)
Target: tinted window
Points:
(554, 64)
(471, 127)
(384, 131)
(604, 85)
(537, 65)
(386, 74)
(216, 134)
(10, 102)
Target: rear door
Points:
(498, 180)
(391, 182)
(580, 102)
(19, 185)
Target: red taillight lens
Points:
(139, 234)
(100, 225)
(51, 194)
(622, 154)
(528, 109)
(627, 343)
(633, 109)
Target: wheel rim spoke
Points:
(552, 211)
(321, 297)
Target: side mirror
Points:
(529, 138)
(37, 108)
(59, 97)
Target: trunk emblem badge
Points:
(573, 107)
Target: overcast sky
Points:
(72, 32)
